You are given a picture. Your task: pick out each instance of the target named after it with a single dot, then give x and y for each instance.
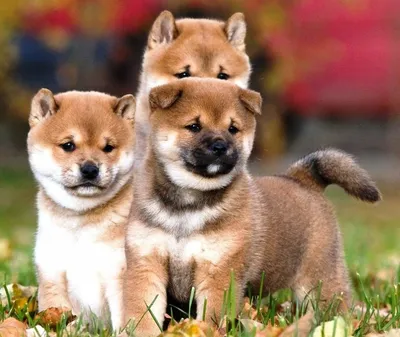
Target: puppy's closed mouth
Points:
(85, 185)
(210, 170)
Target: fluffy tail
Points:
(330, 166)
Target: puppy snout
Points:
(219, 147)
(89, 170)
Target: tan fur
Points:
(331, 166)
(80, 246)
(278, 224)
(202, 47)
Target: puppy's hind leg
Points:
(328, 289)
(320, 290)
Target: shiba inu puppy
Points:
(190, 47)
(199, 214)
(81, 153)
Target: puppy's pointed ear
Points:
(235, 30)
(251, 100)
(125, 107)
(164, 96)
(43, 106)
(163, 30)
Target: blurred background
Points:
(329, 72)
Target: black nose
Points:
(219, 147)
(89, 170)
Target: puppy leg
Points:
(54, 292)
(145, 281)
(114, 293)
(211, 283)
(113, 275)
(335, 285)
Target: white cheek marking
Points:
(42, 162)
(125, 162)
(165, 145)
(247, 146)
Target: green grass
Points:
(17, 224)
(371, 232)
(371, 241)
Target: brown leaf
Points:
(53, 316)
(12, 328)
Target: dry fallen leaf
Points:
(20, 295)
(20, 300)
(383, 313)
(53, 316)
(12, 328)
(390, 333)
(301, 327)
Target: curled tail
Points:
(330, 166)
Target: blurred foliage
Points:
(73, 30)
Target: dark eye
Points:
(233, 130)
(108, 148)
(223, 76)
(68, 147)
(195, 127)
(183, 75)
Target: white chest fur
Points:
(84, 252)
(196, 247)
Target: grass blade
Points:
(191, 299)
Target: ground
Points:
(371, 239)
